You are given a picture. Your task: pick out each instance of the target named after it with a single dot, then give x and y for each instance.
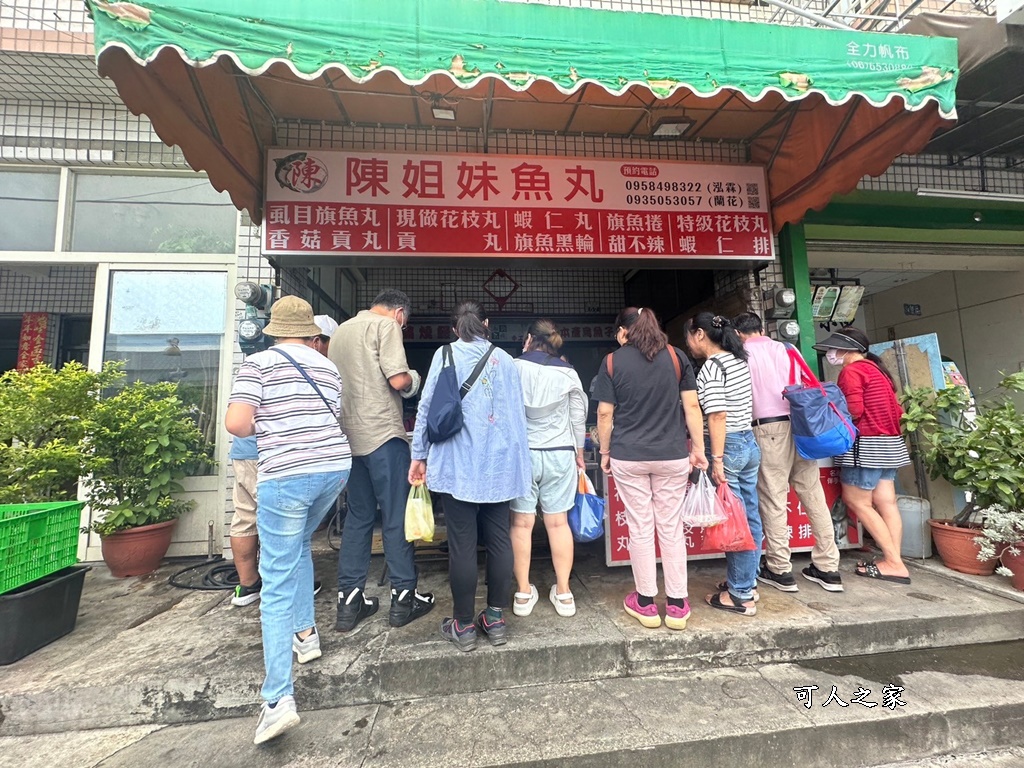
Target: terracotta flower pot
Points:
(957, 548)
(1016, 564)
(137, 551)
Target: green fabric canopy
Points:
(522, 43)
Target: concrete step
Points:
(145, 653)
(955, 701)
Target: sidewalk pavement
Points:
(146, 655)
(950, 701)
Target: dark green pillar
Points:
(793, 255)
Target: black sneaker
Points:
(317, 586)
(781, 581)
(354, 608)
(829, 580)
(496, 631)
(247, 595)
(463, 638)
(409, 606)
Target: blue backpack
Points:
(820, 418)
(444, 417)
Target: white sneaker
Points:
(563, 608)
(276, 720)
(525, 609)
(307, 649)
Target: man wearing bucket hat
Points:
(289, 396)
(243, 456)
(868, 470)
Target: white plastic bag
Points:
(699, 508)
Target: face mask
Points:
(834, 357)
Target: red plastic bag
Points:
(734, 534)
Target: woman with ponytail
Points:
(868, 471)
(476, 474)
(726, 396)
(556, 421)
(647, 391)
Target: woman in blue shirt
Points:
(476, 473)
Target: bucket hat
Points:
(326, 324)
(840, 341)
(291, 318)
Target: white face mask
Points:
(835, 357)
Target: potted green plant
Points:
(983, 455)
(144, 441)
(1002, 536)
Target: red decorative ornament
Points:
(500, 286)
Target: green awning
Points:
(478, 43)
(522, 43)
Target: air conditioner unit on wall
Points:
(1010, 11)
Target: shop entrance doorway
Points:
(583, 302)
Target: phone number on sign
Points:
(664, 186)
(664, 199)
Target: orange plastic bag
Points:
(734, 534)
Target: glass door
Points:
(171, 326)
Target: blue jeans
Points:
(289, 510)
(741, 462)
(378, 479)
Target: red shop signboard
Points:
(401, 204)
(616, 546)
(32, 341)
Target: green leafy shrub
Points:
(43, 419)
(144, 441)
(984, 455)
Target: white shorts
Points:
(555, 479)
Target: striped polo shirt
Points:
(723, 384)
(296, 431)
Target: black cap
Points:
(842, 342)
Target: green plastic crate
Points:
(37, 540)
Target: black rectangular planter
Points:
(39, 612)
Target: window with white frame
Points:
(127, 213)
(29, 201)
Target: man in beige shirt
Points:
(375, 375)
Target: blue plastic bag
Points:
(586, 518)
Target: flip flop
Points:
(715, 601)
(871, 572)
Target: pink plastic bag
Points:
(734, 534)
